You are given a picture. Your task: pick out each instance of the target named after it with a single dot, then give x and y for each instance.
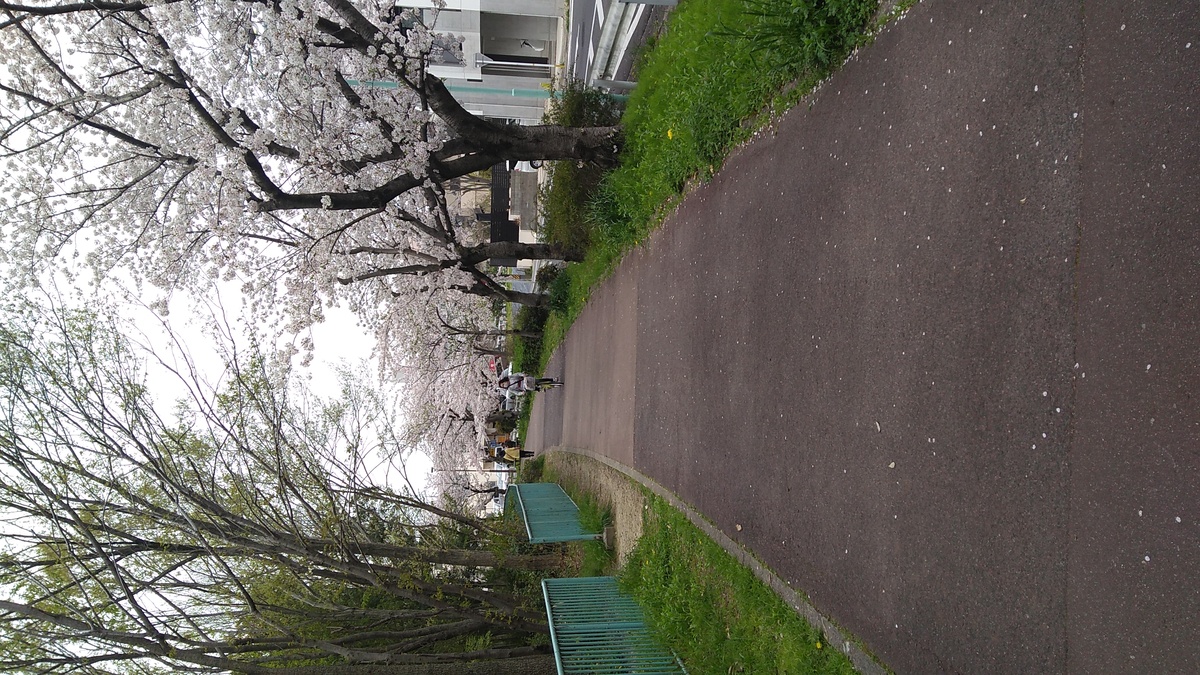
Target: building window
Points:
(447, 50)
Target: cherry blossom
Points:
(187, 144)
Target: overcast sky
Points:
(339, 339)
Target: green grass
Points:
(702, 89)
(594, 516)
(563, 201)
(523, 417)
(530, 471)
(713, 612)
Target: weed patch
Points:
(569, 185)
(715, 613)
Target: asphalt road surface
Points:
(933, 342)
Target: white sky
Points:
(338, 340)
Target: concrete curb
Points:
(621, 24)
(863, 662)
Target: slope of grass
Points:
(714, 612)
(703, 86)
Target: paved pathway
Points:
(935, 343)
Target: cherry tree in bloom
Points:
(190, 142)
(448, 387)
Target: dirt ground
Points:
(626, 498)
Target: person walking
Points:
(520, 383)
(509, 453)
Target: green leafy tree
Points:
(244, 535)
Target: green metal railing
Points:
(596, 629)
(548, 513)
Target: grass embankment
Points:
(713, 611)
(699, 600)
(703, 87)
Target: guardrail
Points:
(549, 514)
(596, 629)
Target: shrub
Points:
(570, 185)
(532, 469)
(577, 105)
(815, 33)
(559, 292)
(527, 351)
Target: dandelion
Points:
(670, 134)
(818, 645)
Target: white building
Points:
(508, 49)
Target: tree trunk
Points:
(497, 333)
(501, 416)
(597, 145)
(507, 295)
(519, 249)
(458, 556)
(522, 665)
(489, 350)
(527, 299)
(515, 142)
(489, 332)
